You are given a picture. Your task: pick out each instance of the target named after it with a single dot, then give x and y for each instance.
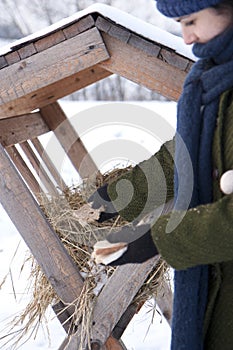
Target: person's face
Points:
(202, 26)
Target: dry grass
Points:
(78, 240)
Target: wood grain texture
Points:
(23, 169)
(43, 242)
(113, 300)
(21, 128)
(148, 71)
(53, 92)
(56, 119)
(39, 168)
(52, 65)
(49, 164)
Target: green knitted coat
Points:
(205, 235)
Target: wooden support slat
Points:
(52, 65)
(43, 176)
(53, 92)
(70, 141)
(34, 228)
(21, 128)
(152, 72)
(113, 300)
(53, 171)
(23, 170)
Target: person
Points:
(199, 246)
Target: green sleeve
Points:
(204, 235)
(148, 185)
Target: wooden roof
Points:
(43, 69)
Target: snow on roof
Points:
(120, 17)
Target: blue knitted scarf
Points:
(197, 111)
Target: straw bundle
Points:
(79, 238)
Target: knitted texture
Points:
(197, 114)
(178, 8)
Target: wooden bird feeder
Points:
(34, 74)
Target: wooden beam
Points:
(70, 141)
(39, 168)
(23, 169)
(34, 228)
(42, 97)
(113, 300)
(50, 66)
(49, 164)
(21, 128)
(142, 68)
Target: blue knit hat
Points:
(178, 8)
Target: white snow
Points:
(141, 333)
(118, 16)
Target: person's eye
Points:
(189, 23)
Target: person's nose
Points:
(189, 36)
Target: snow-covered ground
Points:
(137, 130)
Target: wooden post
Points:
(33, 226)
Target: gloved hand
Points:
(101, 198)
(140, 245)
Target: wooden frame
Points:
(34, 75)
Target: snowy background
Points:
(144, 331)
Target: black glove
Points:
(141, 246)
(101, 198)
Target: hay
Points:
(78, 239)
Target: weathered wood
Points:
(12, 57)
(82, 25)
(45, 68)
(21, 128)
(70, 141)
(27, 51)
(22, 167)
(64, 317)
(124, 320)
(3, 62)
(142, 44)
(49, 41)
(37, 165)
(149, 71)
(49, 164)
(113, 300)
(172, 58)
(43, 242)
(53, 92)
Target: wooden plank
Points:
(52, 65)
(53, 92)
(24, 171)
(80, 26)
(69, 139)
(12, 57)
(130, 38)
(113, 300)
(144, 45)
(36, 164)
(49, 164)
(37, 233)
(49, 41)
(21, 128)
(124, 321)
(3, 62)
(27, 51)
(149, 71)
(175, 60)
